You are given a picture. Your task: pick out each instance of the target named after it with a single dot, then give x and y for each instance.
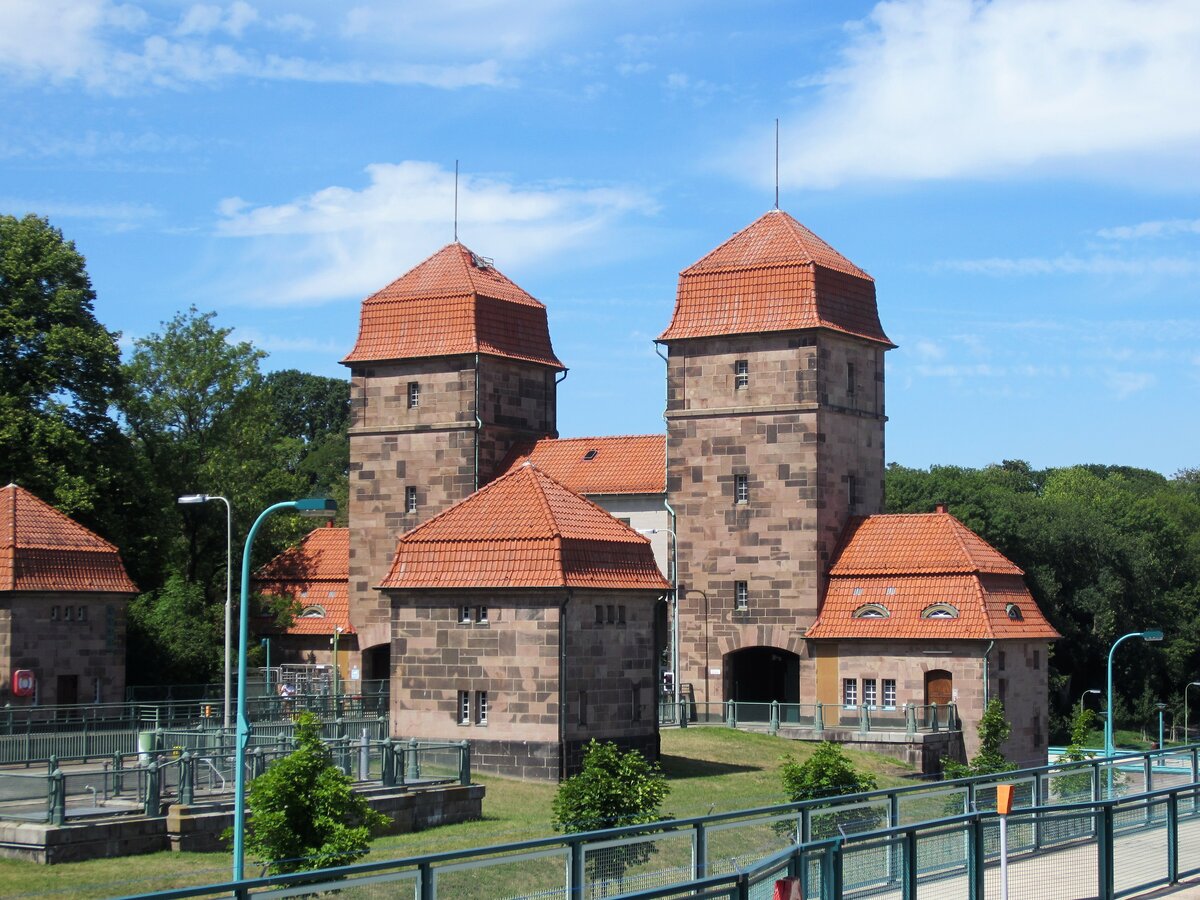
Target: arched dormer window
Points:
(312, 612)
(939, 611)
(872, 611)
(1014, 612)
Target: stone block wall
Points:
(66, 639)
(1018, 676)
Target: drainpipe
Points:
(676, 674)
(478, 422)
(985, 672)
(562, 686)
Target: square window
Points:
(410, 499)
(741, 376)
(889, 693)
(54, 614)
(81, 615)
(741, 488)
(612, 615)
(67, 613)
(464, 614)
(464, 707)
(850, 692)
(414, 395)
(635, 696)
(599, 614)
(1037, 659)
(481, 615)
(481, 707)
(870, 697)
(850, 387)
(852, 491)
(1002, 660)
(741, 595)
(621, 614)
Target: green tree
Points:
(177, 633)
(1077, 785)
(994, 730)
(829, 773)
(304, 813)
(59, 375)
(613, 788)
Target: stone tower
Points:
(453, 365)
(775, 421)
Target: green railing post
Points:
(413, 770)
(1104, 852)
(118, 781)
(894, 822)
(773, 728)
(1172, 837)
(910, 720)
(700, 864)
(977, 860)
(933, 719)
(464, 763)
(819, 718)
(151, 803)
(257, 763)
(187, 778)
(576, 873)
(57, 793)
(730, 714)
(864, 722)
(909, 886)
(682, 713)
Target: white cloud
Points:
(340, 242)
(1153, 229)
(935, 89)
(122, 216)
(1126, 384)
(1069, 264)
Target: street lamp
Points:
(674, 612)
(1108, 718)
(312, 506)
(336, 633)
(1161, 707)
(187, 500)
(1084, 694)
(1187, 735)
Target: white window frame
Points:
(741, 377)
(741, 595)
(464, 615)
(850, 693)
(464, 707)
(481, 615)
(414, 395)
(889, 693)
(481, 707)
(870, 693)
(741, 488)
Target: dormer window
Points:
(872, 611)
(939, 611)
(312, 612)
(1014, 612)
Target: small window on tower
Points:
(741, 488)
(410, 499)
(741, 595)
(850, 388)
(414, 394)
(741, 370)
(852, 491)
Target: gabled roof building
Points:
(63, 598)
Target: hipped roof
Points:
(315, 572)
(592, 466)
(524, 530)
(774, 275)
(43, 550)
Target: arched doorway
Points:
(939, 687)
(763, 674)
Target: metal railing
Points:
(815, 717)
(142, 783)
(913, 841)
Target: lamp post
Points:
(1108, 718)
(1161, 707)
(266, 642)
(674, 611)
(189, 499)
(313, 506)
(1084, 694)
(1187, 735)
(336, 633)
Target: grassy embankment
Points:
(709, 769)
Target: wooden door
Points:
(939, 687)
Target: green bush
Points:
(829, 773)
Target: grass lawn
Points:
(710, 769)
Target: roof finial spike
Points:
(456, 201)
(777, 163)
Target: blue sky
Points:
(1020, 176)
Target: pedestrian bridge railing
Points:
(929, 840)
(815, 717)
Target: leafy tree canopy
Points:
(304, 813)
(827, 773)
(994, 730)
(613, 788)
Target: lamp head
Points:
(317, 507)
(1152, 635)
(188, 499)
(1161, 706)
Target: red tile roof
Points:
(914, 544)
(775, 275)
(43, 550)
(908, 563)
(524, 530)
(627, 464)
(314, 573)
(454, 302)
